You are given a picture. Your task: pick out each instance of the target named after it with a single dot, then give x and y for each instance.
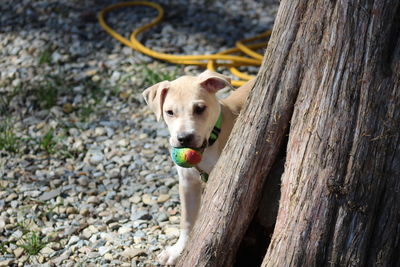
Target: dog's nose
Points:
(185, 139)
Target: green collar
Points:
(215, 131)
(213, 137)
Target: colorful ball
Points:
(185, 157)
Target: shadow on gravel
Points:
(190, 18)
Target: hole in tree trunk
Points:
(255, 243)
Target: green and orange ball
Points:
(186, 157)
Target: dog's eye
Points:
(169, 112)
(199, 109)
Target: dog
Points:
(190, 108)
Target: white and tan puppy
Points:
(190, 109)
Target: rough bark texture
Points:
(233, 191)
(340, 202)
(338, 64)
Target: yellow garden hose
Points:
(225, 58)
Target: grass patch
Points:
(5, 99)
(32, 243)
(8, 140)
(153, 76)
(48, 142)
(47, 93)
(45, 56)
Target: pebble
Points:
(163, 198)
(11, 196)
(108, 256)
(46, 251)
(162, 217)
(148, 200)
(141, 215)
(18, 252)
(135, 199)
(103, 250)
(6, 263)
(83, 181)
(124, 230)
(96, 159)
(171, 231)
(73, 240)
(133, 252)
(174, 219)
(93, 200)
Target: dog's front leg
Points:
(190, 195)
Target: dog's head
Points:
(188, 105)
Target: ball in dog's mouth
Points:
(186, 157)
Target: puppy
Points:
(191, 109)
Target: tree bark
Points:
(340, 202)
(337, 64)
(233, 191)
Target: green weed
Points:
(3, 246)
(48, 142)
(45, 56)
(153, 76)
(5, 99)
(47, 95)
(8, 140)
(33, 243)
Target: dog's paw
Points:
(170, 255)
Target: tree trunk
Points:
(337, 63)
(340, 202)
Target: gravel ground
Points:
(85, 174)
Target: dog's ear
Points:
(213, 81)
(155, 96)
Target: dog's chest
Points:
(209, 159)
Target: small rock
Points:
(16, 235)
(83, 181)
(133, 252)
(108, 256)
(18, 252)
(96, 78)
(174, 219)
(103, 250)
(171, 231)
(115, 76)
(162, 217)
(141, 215)
(2, 223)
(89, 231)
(73, 240)
(6, 263)
(123, 142)
(163, 198)
(114, 173)
(99, 131)
(46, 251)
(62, 257)
(50, 194)
(84, 212)
(70, 210)
(135, 199)
(68, 108)
(148, 200)
(93, 200)
(124, 230)
(96, 159)
(114, 226)
(11, 196)
(126, 158)
(138, 239)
